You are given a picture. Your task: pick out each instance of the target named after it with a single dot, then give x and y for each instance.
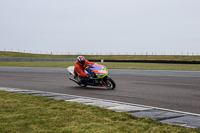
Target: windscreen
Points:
(96, 67)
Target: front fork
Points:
(104, 80)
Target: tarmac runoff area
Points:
(185, 119)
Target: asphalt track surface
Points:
(176, 90)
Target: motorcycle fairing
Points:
(99, 70)
(71, 69)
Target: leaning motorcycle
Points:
(99, 76)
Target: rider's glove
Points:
(87, 68)
(89, 65)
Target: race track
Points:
(176, 90)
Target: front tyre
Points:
(109, 83)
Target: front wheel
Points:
(109, 83)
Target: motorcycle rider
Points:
(79, 68)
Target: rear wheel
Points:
(83, 85)
(83, 82)
(109, 83)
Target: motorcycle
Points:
(99, 76)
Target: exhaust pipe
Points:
(72, 79)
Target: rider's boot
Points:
(79, 81)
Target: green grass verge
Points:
(105, 57)
(28, 113)
(147, 66)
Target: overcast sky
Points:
(100, 26)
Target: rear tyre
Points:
(83, 85)
(109, 83)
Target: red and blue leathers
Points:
(79, 69)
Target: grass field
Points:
(28, 113)
(147, 66)
(105, 57)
